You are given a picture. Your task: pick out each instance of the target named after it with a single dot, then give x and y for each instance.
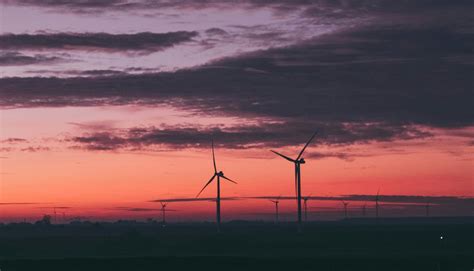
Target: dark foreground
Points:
(397, 244)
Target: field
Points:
(395, 244)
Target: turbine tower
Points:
(364, 209)
(305, 205)
(163, 212)
(377, 204)
(298, 161)
(345, 208)
(427, 206)
(219, 175)
(276, 201)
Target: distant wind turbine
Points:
(364, 209)
(298, 161)
(305, 204)
(377, 204)
(163, 212)
(276, 201)
(219, 175)
(345, 208)
(427, 206)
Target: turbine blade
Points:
(214, 157)
(286, 157)
(228, 179)
(212, 178)
(304, 148)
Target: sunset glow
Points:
(112, 109)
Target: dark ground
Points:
(394, 244)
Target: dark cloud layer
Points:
(192, 199)
(280, 6)
(19, 59)
(400, 74)
(144, 41)
(380, 82)
(18, 203)
(242, 137)
(402, 199)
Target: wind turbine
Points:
(219, 175)
(364, 209)
(298, 161)
(377, 204)
(305, 204)
(427, 206)
(163, 212)
(276, 201)
(345, 208)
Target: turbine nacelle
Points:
(220, 174)
(301, 161)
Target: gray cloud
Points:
(18, 203)
(192, 199)
(402, 199)
(18, 59)
(136, 209)
(397, 74)
(313, 7)
(14, 140)
(242, 137)
(374, 82)
(143, 42)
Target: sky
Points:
(109, 105)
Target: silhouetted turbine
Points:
(427, 206)
(298, 161)
(377, 204)
(364, 211)
(163, 212)
(219, 175)
(305, 204)
(345, 208)
(276, 201)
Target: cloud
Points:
(312, 8)
(35, 149)
(267, 135)
(135, 209)
(192, 199)
(216, 31)
(402, 199)
(381, 81)
(145, 42)
(400, 74)
(14, 140)
(9, 58)
(413, 199)
(18, 203)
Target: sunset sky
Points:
(107, 105)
